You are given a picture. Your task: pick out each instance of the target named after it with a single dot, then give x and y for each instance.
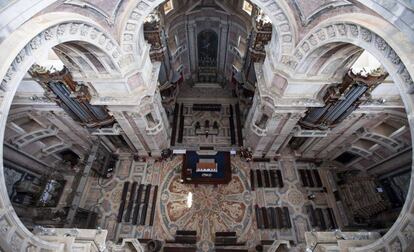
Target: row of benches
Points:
(323, 218)
(190, 237)
(266, 178)
(272, 217)
(310, 178)
(185, 240)
(137, 204)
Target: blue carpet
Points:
(192, 159)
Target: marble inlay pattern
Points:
(214, 208)
(295, 197)
(221, 208)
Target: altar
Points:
(211, 167)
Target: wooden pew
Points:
(273, 217)
(145, 205)
(186, 237)
(259, 218)
(331, 218)
(279, 178)
(123, 199)
(186, 232)
(179, 249)
(137, 204)
(286, 218)
(279, 218)
(265, 217)
(310, 179)
(259, 178)
(273, 178)
(130, 202)
(153, 205)
(311, 214)
(252, 180)
(320, 219)
(317, 178)
(266, 178)
(303, 178)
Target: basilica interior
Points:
(206, 125)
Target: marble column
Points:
(129, 131)
(224, 28)
(192, 48)
(266, 140)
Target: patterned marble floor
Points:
(222, 208)
(214, 208)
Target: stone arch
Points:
(95, 59)
(400, 236)
(133, 44)
(398, 13)
(43, 32)
(320, 61)
(19, 51)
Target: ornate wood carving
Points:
(342, 100)
(71, 96)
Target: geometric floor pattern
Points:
(214, 208)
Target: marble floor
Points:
(214, 208)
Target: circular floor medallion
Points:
(212, 209)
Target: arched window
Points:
(207, 48)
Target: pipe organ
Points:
(152, 34)
(340, 101)
(73, 97)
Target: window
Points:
(151, 122)
(52, 62)
(177, 41)
(168, 6)
(365, 64)
(346, 157)
(247, 7)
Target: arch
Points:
(133, 45)
(393, 12)
(338, 66)
(43, 32)
(19, 51)
(241, 20)
(340, 30)
(320, 59)
(207, 48)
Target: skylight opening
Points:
(51, 62)
(366, 64)
(247, 7)
(263, 18)
(168, 6)
(189, 200)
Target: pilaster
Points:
(285, 133)
(192, 47)
(128, 129)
